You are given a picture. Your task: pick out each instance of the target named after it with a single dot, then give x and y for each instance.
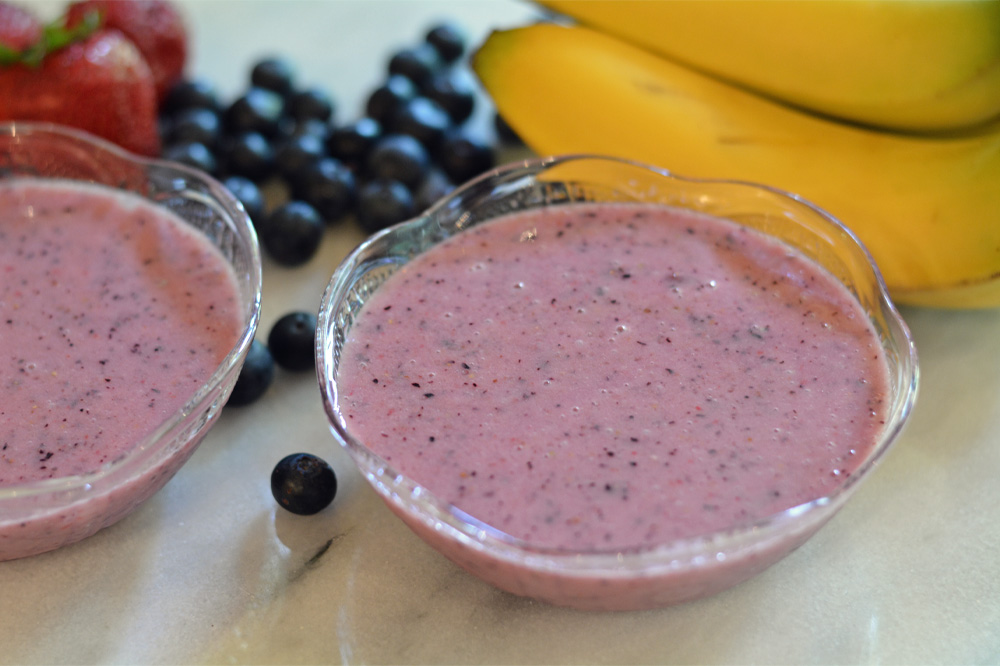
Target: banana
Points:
(928, 209)
(913, 65)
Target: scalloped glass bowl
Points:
(611, 580)
(41, 516)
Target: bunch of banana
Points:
(927, 207)
(923, 66)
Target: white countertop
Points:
(210, 570)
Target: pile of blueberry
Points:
(411, 146)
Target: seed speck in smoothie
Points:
(607, 376)
(113, 312)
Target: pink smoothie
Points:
(112, 314)
(615, 376)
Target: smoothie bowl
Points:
(599, 385)
(131, 294)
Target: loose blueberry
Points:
(310, 103)
(248, 154)
(449, 41)
(273, 74)
(255, 376)
(191, 94)
(454, 90)
(424, 119)
(399, 157)
(248, 194)
(292, 341)
(298, 152)
(193, 154)
(416, 63)
(463, 156)
(292, 233)
(386, 100)
(303, 484)
(195, 125)
(382, 203)
(351, 143)
(328, 185)
(257, 110)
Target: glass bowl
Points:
(628, 579)
(44, 515)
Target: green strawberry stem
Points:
(55, 36)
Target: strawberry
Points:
(19, 28)
(99, 83)
(154, 26)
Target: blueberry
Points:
(463, 156)
(195, 124)
(434, 186)
(248, 154)
(416, 63)
(454, 90)
(449, 41)
(310, 103)
(303, 484)
(248, 194)
(386, 100)
(424, 119)
(255, 377)
(382, 203)
(296, 153)
(257, 110)
(292, 341)
(505, 133)
(292, 233)
(399, 157)
(193, 154)
(351, 143)
(164, 124)
(328, 185)
(191, 94)
(291, 128)
(273, 74)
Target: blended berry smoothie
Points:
(615, 376)
(112, 314)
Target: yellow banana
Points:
(928, 209)
(916, 65)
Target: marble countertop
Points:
(210, 570)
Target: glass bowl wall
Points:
(44, 515)
(630, 579)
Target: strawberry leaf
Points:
(55, 36)
(9, 56)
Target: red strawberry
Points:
(19, 28)
(100, 84)
(155, 26)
